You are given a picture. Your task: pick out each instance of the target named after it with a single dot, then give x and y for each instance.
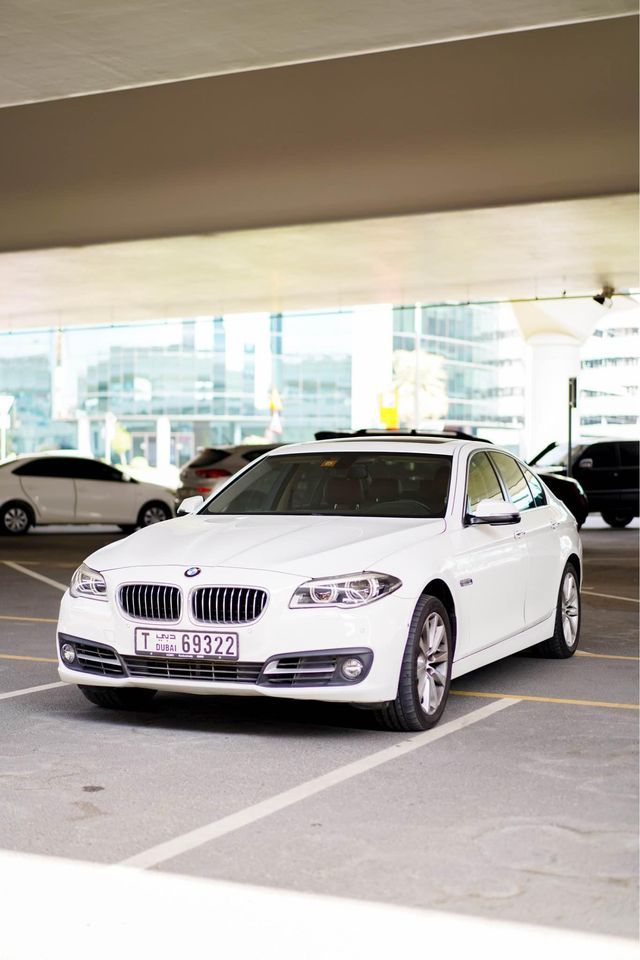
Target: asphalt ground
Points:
(524, 807)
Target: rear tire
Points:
(425, 674)
(566, 634)
(153, 512)
(114, 698)
(617, 520)
(15, 518)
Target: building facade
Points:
(159, 391)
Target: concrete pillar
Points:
(84, 435)
(163, 443)
(109, 430)
(550, 359)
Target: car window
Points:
(207, 457)
(482, 482)
(537, 492)
(340, 483)
(514, 481)
(629, 453)
(94, 470)
(46, 467)
(603, 455)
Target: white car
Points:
(44, 489)
(363, 571)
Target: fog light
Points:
(68, 652)
(352, 668)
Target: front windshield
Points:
(340, 484)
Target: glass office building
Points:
(174, 386)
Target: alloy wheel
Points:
(153, 515)
(570, 609)
(432, 663)
(16, 520)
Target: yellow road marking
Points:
(30, 619)
(609, 596)
(603, 656)
(14, 656)
(520, 696)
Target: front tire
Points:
(15, 519)
(617, 520)
(566, 634)
(113, 698)
(425, 674)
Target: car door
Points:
(47, 483)
(597, 469)
(629, 474)
(103, 494)
(539, 532)
(490, 564)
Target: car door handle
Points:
(519, 533)
(555, 524)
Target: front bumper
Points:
(376, 632)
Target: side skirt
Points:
(505, 648)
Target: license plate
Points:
(181, 643)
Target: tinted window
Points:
(539, 499)
(207, 457)
(341, 483)
(629, 453)
(603, 455)
(94, 470)
(514, 481)
(47, 467)
(482, 483)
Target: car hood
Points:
(306, 546)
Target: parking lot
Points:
(520, 806)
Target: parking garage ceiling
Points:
(64, 48)
(501, 165)
(528, 251)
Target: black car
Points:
(566, 489)
(608, 470)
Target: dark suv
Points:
(606, 469)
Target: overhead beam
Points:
(517, 118)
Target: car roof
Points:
(438, 445)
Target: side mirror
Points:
(587, 463)
(190, 505)
(494, 512)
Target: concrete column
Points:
(163, 443)
(550, 359)
(109, 430)
(84, 435)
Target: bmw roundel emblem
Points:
(192, 572)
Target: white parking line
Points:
(36, 576)
(243, 818)
(22, 693)
(608, 596)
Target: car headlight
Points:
(354, 590)
(88, 583)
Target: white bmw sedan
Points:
(367, 571)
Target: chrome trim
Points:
(137, 583)
(226, 586)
